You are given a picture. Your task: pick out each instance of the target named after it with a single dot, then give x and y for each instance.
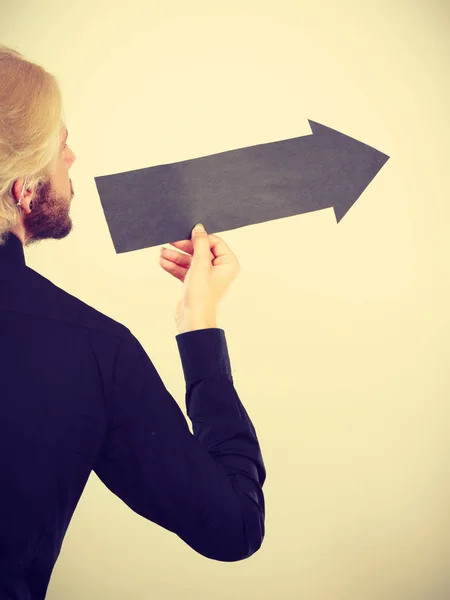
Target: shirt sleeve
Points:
(205, 487)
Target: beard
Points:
(49, 218)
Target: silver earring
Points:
(19, 203)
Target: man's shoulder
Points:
(51, 301)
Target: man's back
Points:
(89, 398)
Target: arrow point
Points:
(363, 174)
(358, 165)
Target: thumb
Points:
(200, 241)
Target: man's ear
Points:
(17, 190)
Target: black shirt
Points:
(79, 393)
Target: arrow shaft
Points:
(244, 181)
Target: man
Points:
(79, 393)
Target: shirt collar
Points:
(12, 250)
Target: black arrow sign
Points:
(225, 191)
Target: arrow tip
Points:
(358, 165)
(366, 167)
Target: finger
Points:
(177, 257)
(188, 245)
(176, 270)
(218, 246)
(183, 257)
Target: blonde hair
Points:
(31, 117)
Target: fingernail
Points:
(199, 227)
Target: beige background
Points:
(338, 334)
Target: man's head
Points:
(49, 216)
(34, 156)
